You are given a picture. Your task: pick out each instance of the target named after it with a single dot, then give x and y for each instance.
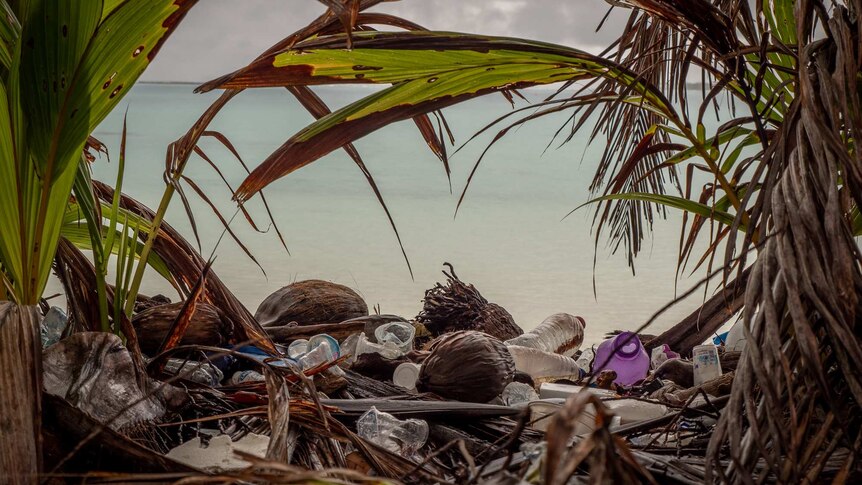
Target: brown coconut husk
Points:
(310, 302)
(460, 306)
(208, 326)
(467, 366)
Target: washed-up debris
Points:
(374, 395)
(398, 436)
(542, 365)
(625, 355)
(218, 453)
(53, 326)
(561, 333)
(94, 372)
(310, 302)
(460, 306)
(467, 366)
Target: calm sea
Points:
(509, 238)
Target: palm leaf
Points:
(428, 70)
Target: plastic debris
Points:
(543, 365)
(94, 372)
(297, 348)
(625, 355)
(518, 393)
(52, 326)
(246, 376)
(218, 455)
(706, 364)
(560, 333)
(399, 333)
(661, 354)
(387, 350)
(200, 372)
(585, 360)
(405, 437)
(406, 375)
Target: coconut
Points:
(208, 326)
(467, 366)
(310, 302)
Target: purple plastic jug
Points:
(624, 354)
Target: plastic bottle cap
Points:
(406, 375)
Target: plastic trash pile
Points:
(407, 394)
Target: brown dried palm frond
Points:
(603, 455)
(798, 394)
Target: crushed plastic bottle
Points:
(239, 377)
(517, 393)
(625, 355)
(200, 372)
(399, 333)
(661, 354)
(404, 437)
(560, 333)
(585, 360)
(387, 350)
(543, 365)
(52, 326)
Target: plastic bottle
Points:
(200, 372)
(398, 436)
(543, 365)
(624, 354)
(706, 364)
(52, 326)
(246, 376)
(661, 354)
(517, 393)
(585, 360)
(399, 333)
(560, 333)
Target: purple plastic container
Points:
(624, 354)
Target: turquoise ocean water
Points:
(508, 238)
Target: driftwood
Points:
(310, 302)
(339, 331)
(377, 367)
(460, 306)
(208, 326)
(706, 320)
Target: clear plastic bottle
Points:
(561, 333)
(398, 436)
(517, 393)
(543, 365)
(192, 370)
(387, 350)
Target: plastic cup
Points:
(297, 348)
(324, 339)
(406, 375)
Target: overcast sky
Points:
(219, 36)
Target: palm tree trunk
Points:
(20, 394)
